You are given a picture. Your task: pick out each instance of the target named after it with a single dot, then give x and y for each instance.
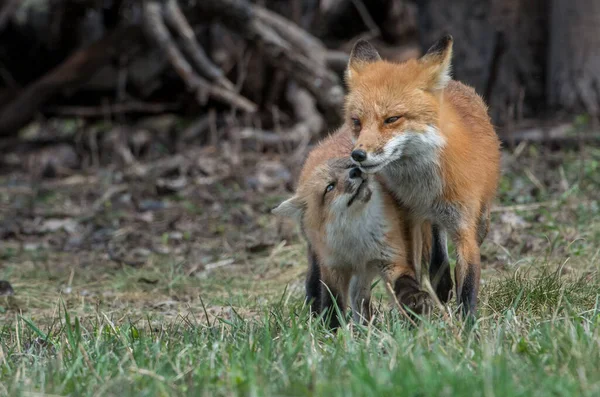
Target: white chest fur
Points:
(415, 177)
(356, 236)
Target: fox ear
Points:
(437, 63)
(363, 53)
(291, 208)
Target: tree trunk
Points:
(499, 49)
(574, 56)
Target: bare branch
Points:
(176, 20)
(157, 30)
(299, 38)
(311, 73)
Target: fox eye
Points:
(356, 123)
(329, 187)
(391, 120)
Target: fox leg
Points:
(439, 270)
(401, 279)
(360, 296)
(483, 224)
(416, 239)
(334, 290)
(313, 282)
(468, 269)
(420, 246)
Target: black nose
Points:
(355, 173)
(359, 155)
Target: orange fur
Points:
(318, 211)
(436, 111)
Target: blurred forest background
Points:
(131, 130)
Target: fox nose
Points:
(355, 173)
(359, 155)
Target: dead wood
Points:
(310, 72)
(310, 120)
(158, 32)
(195, 129)
(297, 37)
(176, 20)
(310, 123)
(110, 109)
(158, 168)
(71, 73)
(337, 60)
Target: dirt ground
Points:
(190, 236)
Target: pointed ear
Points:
(291, 208)
(437, 63)
(363, 53)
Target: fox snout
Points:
(354, 180)
(359, 155)
(357, 186)
(355, 173)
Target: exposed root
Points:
(154, 18)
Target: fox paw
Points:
(417, 302)
(411, 297)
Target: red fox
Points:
(354, 230)
(431, 140)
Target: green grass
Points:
(284, 352)
(168, 329)
(537, 336)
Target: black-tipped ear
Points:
(290, 208)
(437, 62)
(363, 53)
(440, 47)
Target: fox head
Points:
(393, 108)
(333, 197)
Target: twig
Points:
(535, 206)
(112, 191)
(115, 108)
(337, 60)
(88, 363)
(195, 129)
(400, 308)
(426, 283)
(75, 180)
(535, 180)
(176, 20)
(113, 256)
